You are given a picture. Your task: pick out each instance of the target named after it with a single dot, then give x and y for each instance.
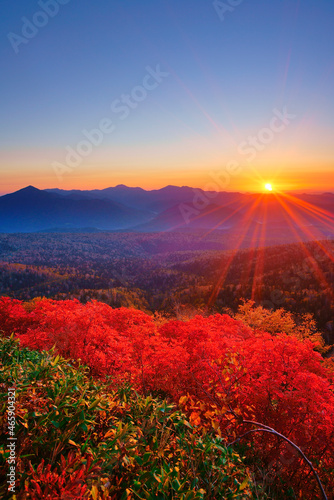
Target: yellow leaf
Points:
(215, 424)
(95, 492)
(244, 484)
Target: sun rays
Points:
(275, 217)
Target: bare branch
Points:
(265, 428)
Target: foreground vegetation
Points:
(78, 438)
(204, 408)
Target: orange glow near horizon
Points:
(188, 163)
(295, 212)
(157, 180)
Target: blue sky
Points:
(225, 79)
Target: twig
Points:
(265, 428)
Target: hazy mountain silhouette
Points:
(156, 200)
(171, 208)
(31, 209)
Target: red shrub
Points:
(13, 317)
(225, 366)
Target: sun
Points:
(268, 187)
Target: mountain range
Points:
(265, 216)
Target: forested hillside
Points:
(174, 273)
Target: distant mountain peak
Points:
(28, 189)
(27, 192)
(127, 188)
(31, 209)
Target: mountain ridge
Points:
(172, 208)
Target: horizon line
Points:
(296, 191)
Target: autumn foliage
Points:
(78, 438)
(226, 375)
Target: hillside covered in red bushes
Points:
(233, 380)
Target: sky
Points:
(227, 95)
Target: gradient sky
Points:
(225, 79)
